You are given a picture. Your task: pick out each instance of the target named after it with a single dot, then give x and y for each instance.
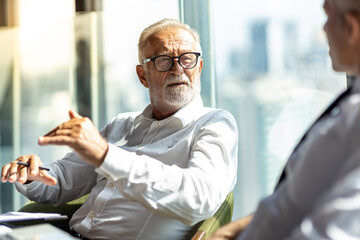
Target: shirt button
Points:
(92, 215)
(111, 185)
(158, 124)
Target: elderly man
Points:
(319, 195)
(159, 172)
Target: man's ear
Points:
(353, 29)
(201, 65)
(140, 71)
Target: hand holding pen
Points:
(78, 132)
(25, 169)
(27, 164)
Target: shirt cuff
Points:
(117, 163)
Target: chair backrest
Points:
(222, 216)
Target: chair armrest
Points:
(199, 235)
(67, 209)
(222, 216)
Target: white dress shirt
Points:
(158, 179)
(320, 197)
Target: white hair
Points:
(161, 26)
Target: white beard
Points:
(175, 97)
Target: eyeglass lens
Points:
(187, 60)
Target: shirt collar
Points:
(185, 114)
(190, 111)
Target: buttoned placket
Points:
(98, 206)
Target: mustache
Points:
(172, 79)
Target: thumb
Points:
(73, 114)
(44, 177)
(47, 179)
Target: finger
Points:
(52, 132)
(22, 171)
(34, 173)
(74, 114)
(57, 140)
(22, 174)
(64, 132)
(45, 178)
(73, 125)
(5, 173)
(13, 172)
(34, 162)
(55, 130)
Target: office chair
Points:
(222, 216)
(67, 209)
(205, 229)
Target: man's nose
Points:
(177, 69)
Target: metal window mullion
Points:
(16, 111)
(194, 16)
(181, 10)
(94, 69)
(211, 55)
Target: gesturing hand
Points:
(13, 172)
(80, 134)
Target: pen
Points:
(27, 164)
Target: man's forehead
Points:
(168, 39)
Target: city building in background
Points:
(274, 74)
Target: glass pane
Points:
(46, 75)
(7, 37)
(86, 62)
(123, 23)
(275, 76)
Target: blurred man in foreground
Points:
(318, 196)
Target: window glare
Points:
(44, 12)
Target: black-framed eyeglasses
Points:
(164, 63)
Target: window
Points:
(274, 74)
(84, 62)
(265, 61)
